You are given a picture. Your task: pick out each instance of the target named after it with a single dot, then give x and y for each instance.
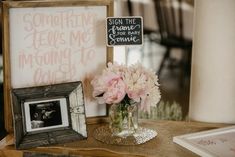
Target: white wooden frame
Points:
(215, 142)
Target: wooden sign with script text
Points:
(124, 31)
(52, 45)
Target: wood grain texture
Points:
(57, 3)
(6, 71)
(76, 130)
(160, 146)
(110, 13)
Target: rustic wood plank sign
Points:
(124, 31)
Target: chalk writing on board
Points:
(124, 31)
(57, 45)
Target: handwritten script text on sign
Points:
(124, 31)
(55, 45)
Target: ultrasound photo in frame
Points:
(46, 115)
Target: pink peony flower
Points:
(116, 91)
(99, 86)
(134, 83)
(135, 94)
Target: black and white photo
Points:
(50, 114)
(45, 114)
(41, 115)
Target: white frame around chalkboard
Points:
(9, 64)
(205, 146)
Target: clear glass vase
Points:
(123, 119)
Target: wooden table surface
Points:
(160, 146)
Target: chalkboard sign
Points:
(52, 42)
(124, 31)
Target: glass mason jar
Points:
(123, 119)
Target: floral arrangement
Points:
(125, 85)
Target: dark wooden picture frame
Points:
(76, 129)
(11, 41)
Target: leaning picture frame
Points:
(52, 42)
(210, 143)
(49, 114)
